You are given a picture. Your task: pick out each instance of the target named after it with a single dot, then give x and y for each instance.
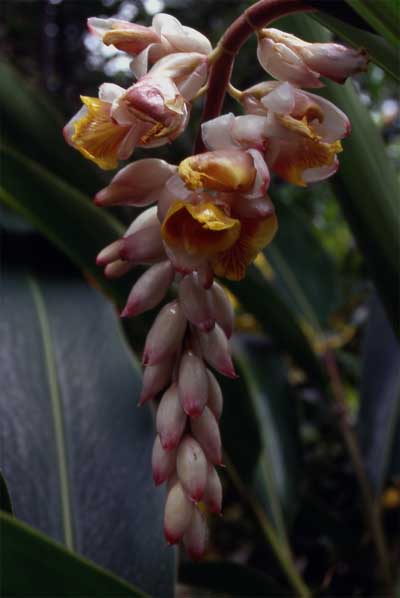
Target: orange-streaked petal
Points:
(255, 234)
(97, 136)
(201, 229)
(300, 127)
(294, 158)
(132, 39)
(221, 170)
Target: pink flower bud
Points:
(178, 514)
(165, 335)
(150, 289)
(191, 465)
(215, 398)
(155, 379)
(212, 497)
(110, 253)
(205, 430)
(117, 269)
(143, 247)
(214, 346)
(192, 384)
(196, 303)
(222, 309)
(195, 538)
(163, 462)
(170, 419)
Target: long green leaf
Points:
(34, 565)
(383, 16)
(379, 50)
(76, 452)
(365, 183)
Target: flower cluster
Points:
(211, 216)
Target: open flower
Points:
(106, 129)
(303, 131)
(148, 44)
(289, 58)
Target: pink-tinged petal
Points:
(262, 180)
(108, 92)
(163, 462)
(180, 38)
(178, 514)
(250, 131)
(334, 60)
(215, 399)
(206, 432)
(285, 65)
(334, 124)
(99, 26)
(196, 536)
(196, 303)
(135, 183)
(188, 70)
(156, 378)
(149, 290)
(214, 346)
(141, 63)
(280, 99)
(182, 261)
(143, 247)
(110, 253)
(222, 309)
(217, 133)
(243, 207)
(143, 220)
(170, 419)
(192, 384)
(213, 492)
(191, 466)
(191, 84)
(314, 175)
(117, 269)
(165, 335)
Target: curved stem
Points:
(260, 14)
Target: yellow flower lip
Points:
(221, 170)
(202, 229)
(96, 135)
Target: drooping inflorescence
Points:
(210, 216)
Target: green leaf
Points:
(379, 50)
(230, 579)
(34, 565)
(258, 297)
(383, 16)
(32, 125)
(63, 214)
(76, 449)
(379, 417)
(366, 183)
(276, 473)
(5, 500)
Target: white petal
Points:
(217, 134)
(281, 99)
(108, 92)
(146, 218)
(335, 125)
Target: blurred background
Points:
(312, 427)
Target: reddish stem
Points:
(259, 15)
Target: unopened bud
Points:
(212, 497)
(191, 466)
(178, 514)
(196, 303)
(166, 334)
(163, 462)
(149, 289)
(155, 378)
(205, 430)
(195, 538)
(214, 346)
(192, 384)
(170, 419)
(222, 309)
(215, 399)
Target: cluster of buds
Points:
(209, 216)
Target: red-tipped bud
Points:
(222, 309)
(143, 246)
(205, 430)
(163, 462)
(191, 465)
(110, 253)
(196, 535)
(215, 399)
(170, 419)
(192, 384)
(178, 514)
(166, 334)
(196, 303)
(155, 378)
(214, 346)
(117, 269)
(212, 497)
(150, 289)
